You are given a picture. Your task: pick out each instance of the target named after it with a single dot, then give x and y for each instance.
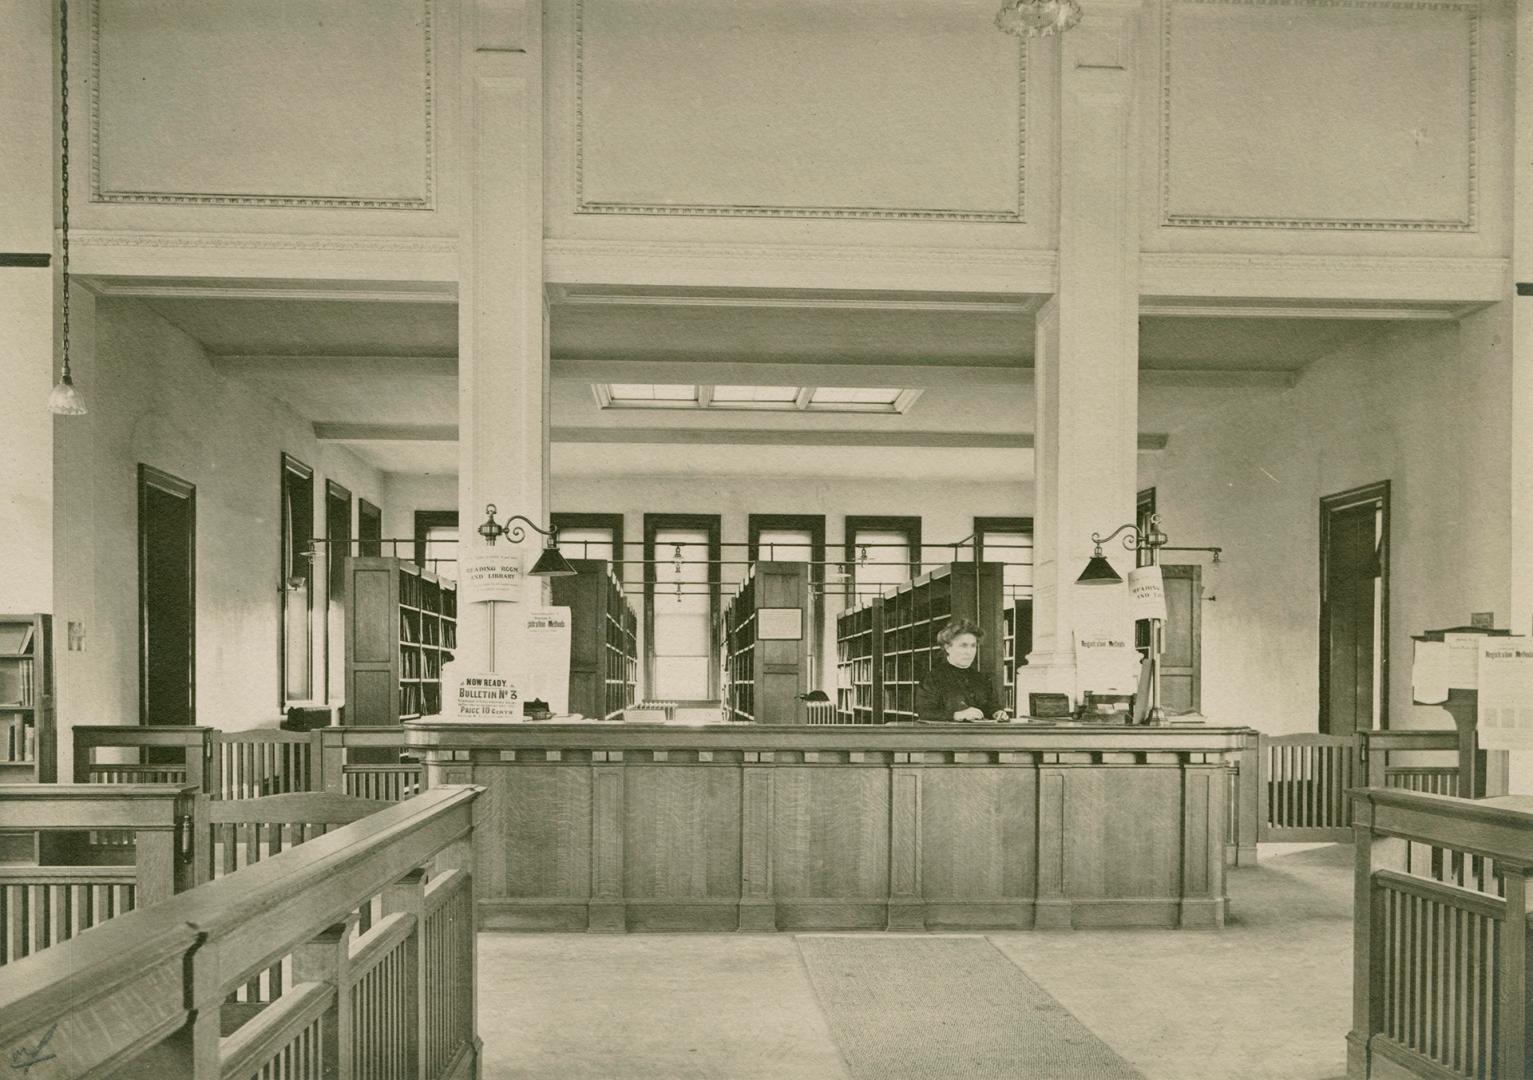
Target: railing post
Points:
(326, 958)
(1248, 799)
(1372, 853)
(1512, 1055)
(408, 897)
(215, 777)
(330, 760)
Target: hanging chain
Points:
(64, 167)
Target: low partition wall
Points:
(724, 827)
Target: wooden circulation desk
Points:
(614, 826)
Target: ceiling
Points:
(380, 358)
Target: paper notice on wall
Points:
(1506, 693)
(1429, 673)
(490, 575)
(542, 662)
(1463, 660)
(485, 697)
(1147, 593)
(1106, 664)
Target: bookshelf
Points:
(401, 626)
(915, 613)
(859, 671)
(604, 654)
(765, 646)
(1017, 642)
(27, 750)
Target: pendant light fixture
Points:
(65, 399)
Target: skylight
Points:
(885, 399)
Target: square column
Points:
(28, 97)
(502, 344)
(1521, 776)
(1086, 367)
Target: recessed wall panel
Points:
(896, 109)
(1319, 115)
(262, 102)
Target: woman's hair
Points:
(958, 627)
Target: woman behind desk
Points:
(954, 689)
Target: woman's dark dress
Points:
(947, 690)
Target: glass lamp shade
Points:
(1098, 572)
(65, 399)
(1035, 18)
(552, 564)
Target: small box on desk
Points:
(644, 716)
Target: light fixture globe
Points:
(1037, 18)
(66, 399)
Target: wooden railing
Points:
(1305, 779)
(252, 764)
(41, 906)
(1441, 974)
(144, 995)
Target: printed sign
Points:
(1147, 593)
(543, 658)
(1506, 693)
(486, 696)
(490, 575)
(780, 624)
(1106, 664)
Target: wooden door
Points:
(1353, 611)
(167, 601)
(1181, 652)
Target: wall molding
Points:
(1333, 277)
(626, 262)
(1467, 224)
(868, 213)
(426, 201)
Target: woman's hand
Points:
(971, 713)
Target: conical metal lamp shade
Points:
(1098, 572)
(552, 564)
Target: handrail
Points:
(151, 982)
(1441, 981)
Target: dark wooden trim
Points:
(369, 545)
(150, 477)
(291, 466)
(713, 525)
(814, 524)
(1525, 288)
(910, 526)
(26, 258)
(565, 519)
(983, 525)
(1376, 493)
(426, 520)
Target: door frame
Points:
(151, 478)
(1331, 505)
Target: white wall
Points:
(157, 401)
(1425, 407)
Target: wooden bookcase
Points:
(28, 750)
(915, 613)
(765, 672)
(859, 670)
(401, 626)
(1017, 641)
(604, 654)
(27, 736)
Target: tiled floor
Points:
(1267, 998)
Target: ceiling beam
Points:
(349, 367)
(771, 373)
(690, 436)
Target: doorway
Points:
(1354, 610)
(1181, 655)
(167, 598)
